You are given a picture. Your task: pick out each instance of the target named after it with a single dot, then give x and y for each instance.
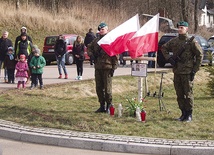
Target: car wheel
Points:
(69, 59)
(161, 60)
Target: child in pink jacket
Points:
(22, 71)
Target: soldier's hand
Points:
(172, 61)
(112, 73)
(192, 76)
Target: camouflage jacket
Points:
(101, 59)
(190, 59)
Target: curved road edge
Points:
(104, 142)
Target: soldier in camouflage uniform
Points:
(184, 69)
(104, 69)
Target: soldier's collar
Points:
(183, 36)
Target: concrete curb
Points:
(104, 142)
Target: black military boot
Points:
(188, 117)
(183, 115)
(101, 109)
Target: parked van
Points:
(48, 48)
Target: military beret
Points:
(102, 25)
(182, 23)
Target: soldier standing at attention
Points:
(104, 69)
(184, 69)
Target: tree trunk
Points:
(53, 7)
(148, 6)
(185, 10)
(57, 6)
(196, 16)
(26, 4)
(17, 5)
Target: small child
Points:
(22, 71)
(10, 64)
(34, 47)
(37, 64)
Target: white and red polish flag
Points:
(114, 42)
(145, 39)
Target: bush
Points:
(210, 83)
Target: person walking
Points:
(37, 64)
(9, 65)
(60, 50)
(4, 44)
(22, 71)
(105, 66)
(78, 52)
(184, 68)
(88, 39)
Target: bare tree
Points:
(174, 9)
(57, 6)
(148, 6)
(17, 5)
(26, 4)
(196, 16)
(184, 10)
(53, 7)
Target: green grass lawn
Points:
(71, 106)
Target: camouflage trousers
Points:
(184, 91)
(103, 81)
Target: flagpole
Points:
(155, 82)
(143, 41)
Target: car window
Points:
(50, 40)
(165, 39)
(202, 41)
(72, 39)
(211, 41)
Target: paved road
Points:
(50, 74)
(10, 147)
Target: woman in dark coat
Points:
(78, 52)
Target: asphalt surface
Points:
(96, 141)
(50, 75)
(11, 147)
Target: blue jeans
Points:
(61, 64)
(5, 70)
